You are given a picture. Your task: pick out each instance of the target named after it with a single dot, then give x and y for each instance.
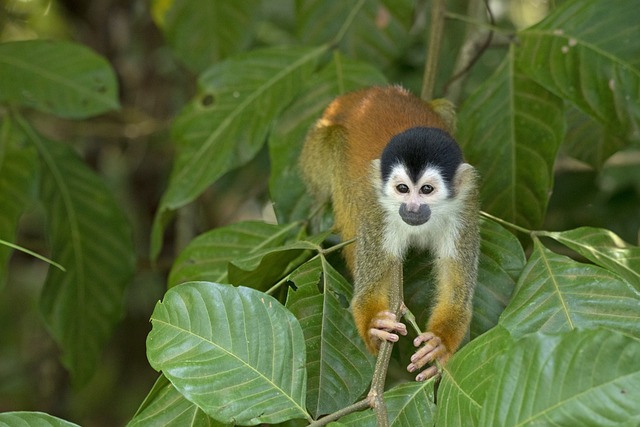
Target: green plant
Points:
(255, 326)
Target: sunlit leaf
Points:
(521, 125)
(235, 352)
(290, 196)
(581, 378)
(339, 367)
(165, 406)
(228, 122)
(90, 236)
(32, 419)
(604, 248)
(61, 78)
(556, 293)
(588, 52)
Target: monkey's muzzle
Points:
(414, 216)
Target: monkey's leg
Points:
(449, 320)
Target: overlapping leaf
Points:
(338, 366)
(216, 38)
(556, 294)
(588, 52)
(207, 256)
(291, 200)
(32, 419)
(227, 124)
(235, 352)
(521, 125)
(91, 237)
(60, 78)
(585, 378)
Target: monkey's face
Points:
(414, 201)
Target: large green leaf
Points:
(18, 176)
(207, 256)
(468, 379)
(32, 419)
(235, 352)
(339, 367)
(408, 405)
(91, 237)
(224, 27)
(604, 248)
(288, 192)
(521, 124)
(227, 123)
(556, 293)
(579, 378)
(61, 78)
(588, 52)
(165, 406)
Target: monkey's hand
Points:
(385, 327)
(432, 350)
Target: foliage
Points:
(255, 325)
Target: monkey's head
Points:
(417, 168)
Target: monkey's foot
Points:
(385, 327)
(433, 349)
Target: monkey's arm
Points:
(456, 276)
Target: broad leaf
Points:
(408, 405)
(235, 352)
(32, 419)
(227, 124)
(288, 192)
(521, 125)
(207, 256)
(556, 293)
(216, 38)
(339, 367)
(581, 378)
(18, 175)
(165, 406)
(91, 237)
(588, 52)
(468, 379)
(61, 78)
(604, 248)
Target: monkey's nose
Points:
(416, 216)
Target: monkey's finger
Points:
(430, 372)
(387, 321)
(426, 354)
(383, 335)
(423, 337)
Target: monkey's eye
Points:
(426, 189)
(402, 188)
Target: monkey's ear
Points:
(466, 179)
(447, 112)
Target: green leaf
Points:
(521, 124)
(165, 406)
(224, 28)
(288, 192)
(588, 52)
(339, 368)
(556, 293)
(18, 176)
(32, 419)
(207, 256)
(468, 379)
(581, 378)
(235, 352)
(227, 124)
(408, 405)
(61, 78)
(91, 237)
(501, 262)
(605, 249)
(375, 34)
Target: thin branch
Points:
(438, 10)
(358, 406)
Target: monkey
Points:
(396, 179)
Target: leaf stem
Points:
(508, 224)
(347, 23)
(33, 254)
(438, 10)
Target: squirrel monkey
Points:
(397, 179)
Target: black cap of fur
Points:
(420, 147)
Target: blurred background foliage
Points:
(131, 149)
